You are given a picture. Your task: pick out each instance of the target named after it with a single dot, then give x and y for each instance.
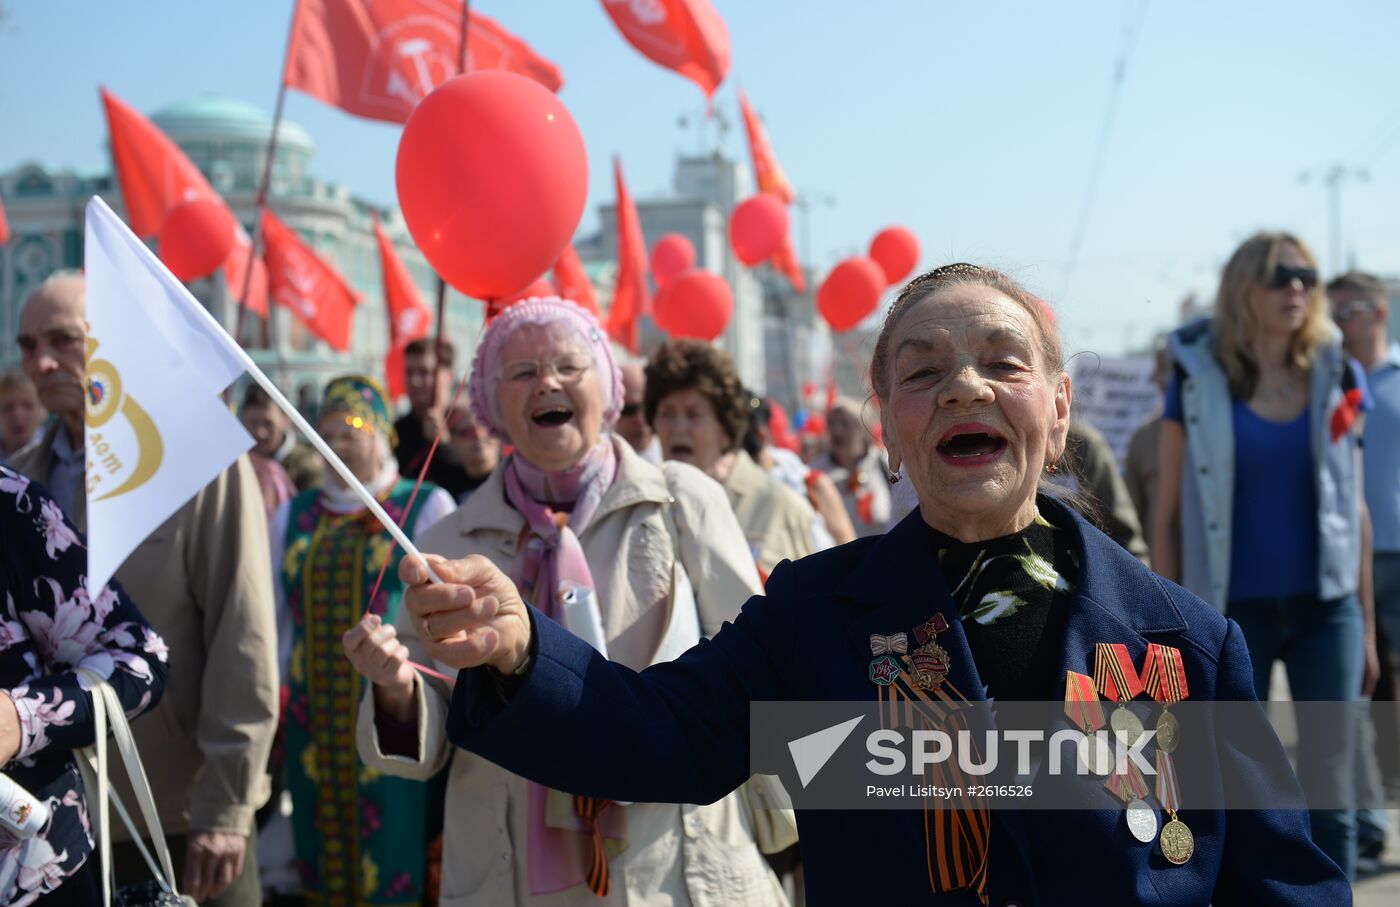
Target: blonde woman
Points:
(1259, 503)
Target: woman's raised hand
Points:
(473, 617)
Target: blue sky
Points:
(976, 125)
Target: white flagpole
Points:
(280, 399)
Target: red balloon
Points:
(540, 287)
(758, 227)
(671, 256)
(196, 238)
(896, 251)
(492, 178)
(850, 293)
(697, 304)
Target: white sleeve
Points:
(438, 505)
(277, 541)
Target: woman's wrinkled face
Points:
(690, 430)
(1280, 306)
(550, 396)
(972, 412)
(353, 440)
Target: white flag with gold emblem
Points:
(157, 431)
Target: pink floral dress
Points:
(50, 625)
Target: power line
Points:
(1132, 30)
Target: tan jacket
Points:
(776, 520)
(202, 581)
(701, 855)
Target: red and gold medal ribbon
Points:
(1166, 674)
(1167, 792)
(1127, 783)
(1114, 674)
(1082, 702)
(931, 627)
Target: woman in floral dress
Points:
(49, 627)
(360, 837)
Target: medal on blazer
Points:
(1086, 713)
(1117, 679)
(1127, 784)
(1166, 683)
(884, 670)
(929, 663)
(1177, 842)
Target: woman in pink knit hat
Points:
(608, 544)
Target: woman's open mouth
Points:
(552, 416)
(971, 445)
(680, 452)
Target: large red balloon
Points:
(492, 177)
(196, 238)
(758, 227)
(672, 256)
(850, 293)
(539, 287)
(896, 251)
(697, 304)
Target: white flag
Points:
(157, 431)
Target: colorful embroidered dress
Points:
(361, 837)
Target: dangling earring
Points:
(1052, 468)
(892, 477)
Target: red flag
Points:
(4, 226)
(409, 317)
(379, 58)
(571, 280)
(766, 170)
(631, 298)
(785, 260)
(302, 282)
(155, 176)
(685, 35)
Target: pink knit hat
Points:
(540, 311)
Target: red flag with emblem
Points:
(409, 317)
(632, 297)
(301, 281)
(4, 226)
(156, 176)
(572, 281)
(687, 36)
(379, 58)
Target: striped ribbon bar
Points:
(1127, 782)
(1166, 674)
(590, 810)
(1167, 792)
(1114, 673)
(1082, 702)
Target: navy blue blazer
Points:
(679, 732)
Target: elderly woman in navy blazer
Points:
(1006, 594)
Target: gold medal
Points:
(1168, 732)
(1095, 754)
(929, 666)
(1126, 725)
(1177, 842)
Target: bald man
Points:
(202, 579)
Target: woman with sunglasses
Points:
(1260, 510)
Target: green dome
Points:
(215, 117)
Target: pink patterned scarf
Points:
(550, 565)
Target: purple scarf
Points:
(550, 564)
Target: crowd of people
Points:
(548, 725)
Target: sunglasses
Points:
(1283, 277)
(630, 409)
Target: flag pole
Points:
(442, 284)
(260, 203)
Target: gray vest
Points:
(1208, 471)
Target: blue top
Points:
(1381, 436)
(1273, 545)
(679, 732)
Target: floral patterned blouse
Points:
(49, 626)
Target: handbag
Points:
(92, 763)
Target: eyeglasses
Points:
(630, 409)
(1284, 276)
(568, 369)
(1345, 310)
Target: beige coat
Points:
(701, 855)
(776, 520)
(202, 581)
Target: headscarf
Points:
(551, 569)
(539, 311)
(366, 406)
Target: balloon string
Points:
(408, 508)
